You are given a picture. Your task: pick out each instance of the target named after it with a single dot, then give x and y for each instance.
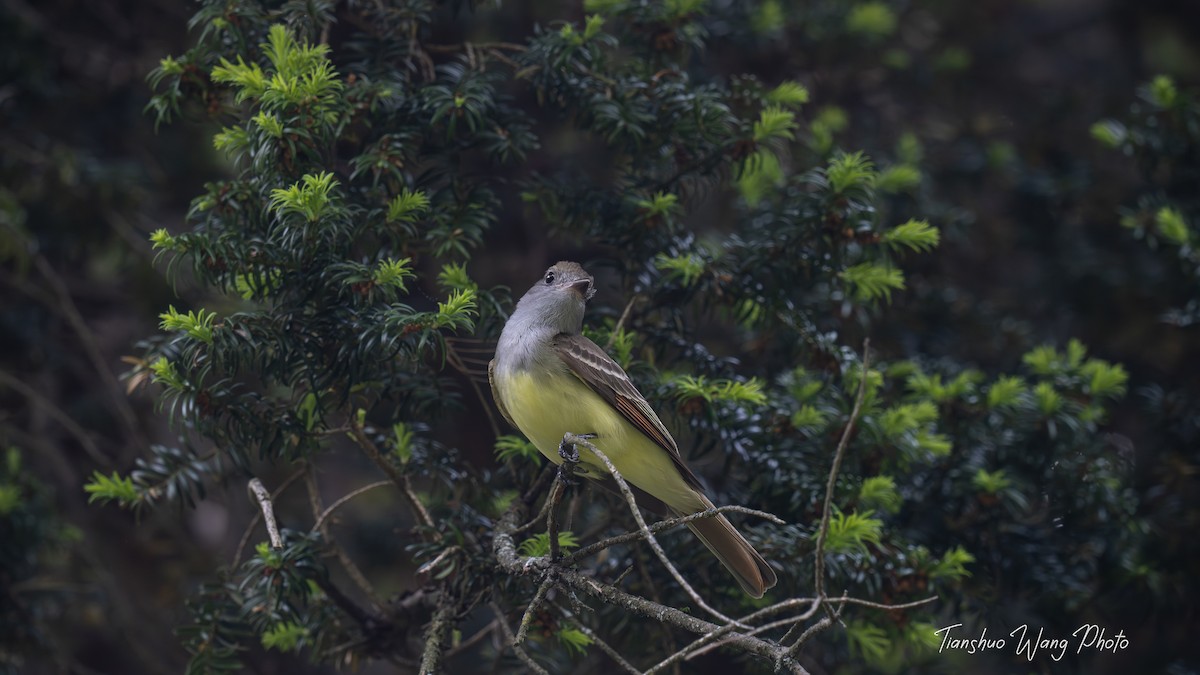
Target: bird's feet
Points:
(570, 456)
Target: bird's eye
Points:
(549, 278)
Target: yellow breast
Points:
(550, 405)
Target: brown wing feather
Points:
(496, 394)
(605, 377)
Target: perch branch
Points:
(573, 439)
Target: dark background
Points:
(1032, 252)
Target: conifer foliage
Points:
(370, 163)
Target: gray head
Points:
(558, 299)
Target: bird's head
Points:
(560, 296)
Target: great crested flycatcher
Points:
(549, 380)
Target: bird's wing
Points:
(496, 394)
(602, 375)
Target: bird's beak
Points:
(584, 288)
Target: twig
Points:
(512, 641)
(71, 312)
(268, 511)
(541, 514)
(534, 605)
(504, 548)
(554, 499)
(573, 439)
(879, 605)
(352, 570)
(825, 622)
(351, 495)
(823, 532)
(621, 321)
(79, 433)
(400, 479)
(237, 555)
(499, 56)
(469, 642)
(607, 649)
(548, 473)
(455, 360)
(709, 640)
(681, 654)
(449, 49)
(667, 525)
(435, 639)
(360, 615)
(700, 651)
(437, 560)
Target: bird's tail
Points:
(752, 572)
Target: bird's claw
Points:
(570, 456)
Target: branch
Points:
(439, 627)
(552, 502)
(351, 495)
(470, 642)
(73, 316)
(837, 465)
(667, 525)
(534, 606)
(819, 563)
(253, 521)
(541, 514)
(572, 439)
(739, 633)
(352, 570)
(400, 479)
(607, 649)
(512, 641)
(504, 548)
(612, 337)
(72, 427)
(456, 361)
(237, 555)
(268, 511)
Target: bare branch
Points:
(237, 556)
(667, 525)
(470, 642)
(347, 497)
(534, 606)
(512, 641)
(400, 479)
(825, 622)
(437, 560)
(74, 317)
(352, 570)
(531, 495)
(879, 605)
(546, 506)
(637, 515)
(79, 433)
(823, 532)
(504, 548)
(678, 656)
(455, 360)
(268, 511)
(607, 649)
(553, 501)
(621, 321)
(435, 638)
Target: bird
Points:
(549, 380)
